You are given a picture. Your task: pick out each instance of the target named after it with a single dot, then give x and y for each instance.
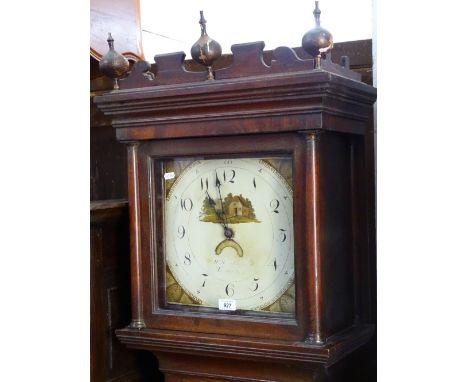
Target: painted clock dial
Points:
(229, 233)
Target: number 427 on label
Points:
(226, 304)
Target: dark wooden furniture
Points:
(107, 159)
(122, 19)
(110, 297)
(109, 252)
(321, 117)
(109, 290)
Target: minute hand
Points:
(213, 204)
(227, 231)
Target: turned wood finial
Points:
(206, 51)
(113, 64)
(318, 40)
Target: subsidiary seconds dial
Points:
(229, 232)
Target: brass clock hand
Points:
(228, 232)
(213, 204)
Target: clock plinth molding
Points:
(252, 108)
(305, 358)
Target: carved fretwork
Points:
(247, 60)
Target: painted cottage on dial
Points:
(238, 207)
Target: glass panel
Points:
(229, 233)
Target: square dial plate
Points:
(229, 234)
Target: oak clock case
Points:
(288, 245)
(222, 231)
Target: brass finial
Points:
(206, 50)
(202, 23)
(318, 40)
(113, 64)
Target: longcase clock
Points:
(247, 214)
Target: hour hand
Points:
(211, 202)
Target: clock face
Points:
(228, 227)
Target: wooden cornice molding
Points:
(164, 111)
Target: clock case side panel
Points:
(335, 235)
(343, 233)
(156, 315)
